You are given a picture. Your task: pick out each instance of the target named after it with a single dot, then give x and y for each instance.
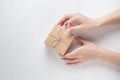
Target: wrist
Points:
(106, 55)
(103, 54)
(100, 22)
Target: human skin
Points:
(90, 51)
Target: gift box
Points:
(59, 39)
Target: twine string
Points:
(57, 40)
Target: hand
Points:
(79, 21)
(88, 51)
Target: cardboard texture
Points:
(59, 39)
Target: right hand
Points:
(87, 52)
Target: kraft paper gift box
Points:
(59, 39)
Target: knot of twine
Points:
(57, 40)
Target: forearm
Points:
(110, 19)
(110, 57)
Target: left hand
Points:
(79, 21)
(88, 51)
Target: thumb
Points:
(75, 29)
(84, 41)
(71, 55)
(70, 22)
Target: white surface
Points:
(24, 25)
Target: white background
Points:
(24, 25)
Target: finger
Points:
(75, 29)
(71, 61)
(75, 63)
(65, 18)
(70, 55)
(70, 22)
(68, 58)
(83, 40)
